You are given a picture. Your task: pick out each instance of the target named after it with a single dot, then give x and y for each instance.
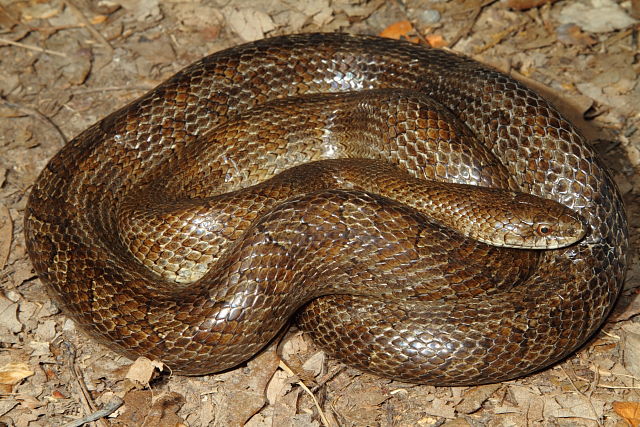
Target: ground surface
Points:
(64, 65)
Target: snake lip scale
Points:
(281, 178)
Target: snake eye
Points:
(543, 230)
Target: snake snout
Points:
(539, 223)
(570, 228)
(525, 221)
(557, 228)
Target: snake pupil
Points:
(543, 229)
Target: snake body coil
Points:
(119, 224)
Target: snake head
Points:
(537, 223)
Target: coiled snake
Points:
(139, 228)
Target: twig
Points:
(328, 376)
(106, 410)
(288, 370)
(33, 112)
(614, 387)
(70, 356)
(588, 398)
(102, 39)
(81, 91)
(69, 353)
(30, 47)
(496, 39)
(617, 37)
(610, 335)
(471, 22)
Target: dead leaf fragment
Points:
(436, 40)
(142, 370)
(164, 410)
(441, 408)
(627, 309)
(629, 411)
(9, 322)
(596, 16)
(571, 34)
(137, 404)
(473, 400)
(279, 385)
(98, 19)
(398, 30)
(631, 357)
(40, 10)
(143, 10)
(13, 373)
(245, 395)
(250, 24)
(56, 394)
(316, 364)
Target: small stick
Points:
(288, 370)
(106, 410)
(470, 22)
(88, 24)
(30, 47)
(33, 112)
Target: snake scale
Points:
(190, 225)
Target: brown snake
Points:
(118, 224)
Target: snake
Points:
(294, 178)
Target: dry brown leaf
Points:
(249, 24)
(9, 322)
(98, 19)
(316, 364)
(142, 10)
(40, 10)
(571, 34)
(436, 40)
(137, 404)
(29, 401)
(280, 384)
(142, 370)
(56, 394)
(629, 411)
(475, 397)
(245, 394)
(398, 30)
(163, 412)
(572, 405)
(294, 346)
(441, 408)
(13, 373)
(628, 307)
(631, 358)
(285, 405)
(26, 418)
